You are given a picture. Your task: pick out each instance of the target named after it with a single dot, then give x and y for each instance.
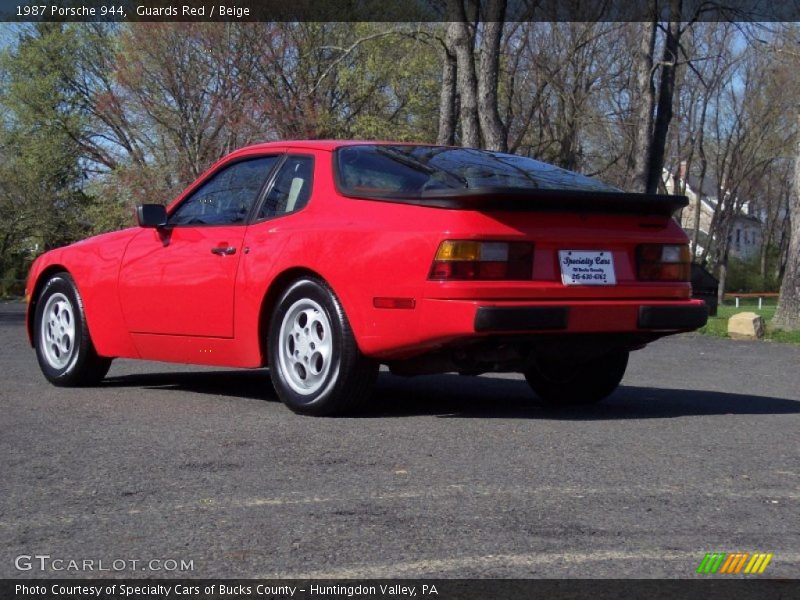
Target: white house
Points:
(746, 230)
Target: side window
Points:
(226, 198)
(292, 188)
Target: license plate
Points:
(587, 267)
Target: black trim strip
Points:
(255, 208)
(489, 318)
(538, 200)
(672, 317)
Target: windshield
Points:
(402, 170)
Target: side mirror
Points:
(151, 215)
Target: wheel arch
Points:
(41, 279)
(273, 293)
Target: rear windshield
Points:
(376, 170)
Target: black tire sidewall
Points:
(70, 373)
(318, 292)
(596, 380)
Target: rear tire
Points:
(315, 364)
(573, 383)
(64, 347)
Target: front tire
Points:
(64, 347)
(560, 382)
(315, 364)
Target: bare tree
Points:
(461, 39)
(666, 94)
(787, 315)
(494, 134)
(643, 144)
(476, 77)
(448, 95)
(777, 195)
(747, 138)
(707, 66)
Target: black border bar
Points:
(707, 588)
(387, 11)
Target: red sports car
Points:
(325, 259)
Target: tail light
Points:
(472, 260)
(662, 262)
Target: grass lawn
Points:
(718, 326)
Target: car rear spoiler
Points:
(525, 199)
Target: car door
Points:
(179, 279)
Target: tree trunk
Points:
(787, 315)
(666, 93)
(644, 115)
(463, 43)
(699, 212)
(703, 169)
(766, 239)
(494, 133)
(783, 244)
(447, 98)
(698, 209)
(722, 276)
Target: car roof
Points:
(327, 145)
(283, 145)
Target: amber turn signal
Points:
(459, 260)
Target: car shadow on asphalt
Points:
(455, 396)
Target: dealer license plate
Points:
(587, 267)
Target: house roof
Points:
(752, 218)
(710, 186)
(708, 195)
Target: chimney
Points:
(682, 171)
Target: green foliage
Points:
(391, 86)
(745, 275)
(41, 196)
(368, 80)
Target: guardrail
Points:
(750, 295)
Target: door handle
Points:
(223, 250)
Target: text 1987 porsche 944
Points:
(325, 259)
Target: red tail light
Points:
(472, 260)
(664, 262)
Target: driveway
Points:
(444, 476)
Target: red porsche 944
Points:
(326, 259)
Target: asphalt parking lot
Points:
(444, 476)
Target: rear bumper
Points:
(438, 322)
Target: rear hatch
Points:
(587, 239)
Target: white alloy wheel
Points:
(316, 366)
(58, 331)
(306, 346)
